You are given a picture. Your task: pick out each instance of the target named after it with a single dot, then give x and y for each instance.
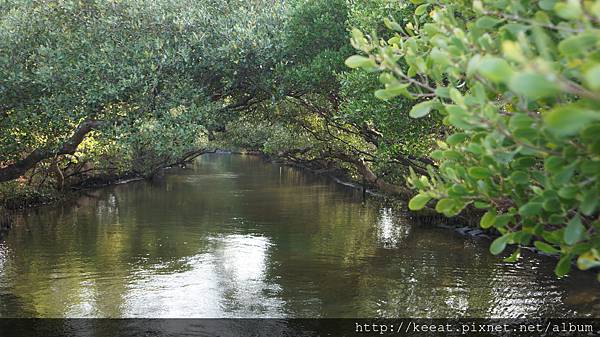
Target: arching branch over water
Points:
(18, 168)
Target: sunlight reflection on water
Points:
(227, 281)
(235, 237)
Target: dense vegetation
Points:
(518, 83)
(490, 107)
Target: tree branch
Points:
(17, 169)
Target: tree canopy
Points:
(515, 82)
(487, 107)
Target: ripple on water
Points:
(194, 179)
(232, 237)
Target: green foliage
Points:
(67, 61)
(257, 75)
(314, 47)
(383, 111)
(517, 83)
(398, 134)
(377, 16)
(500, 98)
(17, 196)
(158, 74)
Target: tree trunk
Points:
(19, 168)
(381, 184)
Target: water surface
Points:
(233, 236)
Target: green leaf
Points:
(547, 4)
(553, 237)
(392, 91)
(456, 138)
(590, 167)
(578, 45)
(514, 257)
(590, 202)
(357, 61)
(588, 260)
(520, 120)
(479, 172)
(564, 175)
(486, 22)
(442, 92)
(515, 28)
(546, 248)
(527, 133)
(357, 34)
(458, 117)
(574, 231)
(421, 9)
(563, 266)
(456, 96)
(590, 134)
(437, 155)
(532, 85)
(481, 205)
(569, 119)
(568, 10)
(386, 78)
(473, 64)
(444, 205)
(418, 202)
(502, 220)
(499, 244)
(519, 177)
(513, 51)
(453, 155)
(488, 219)
(531, 209)
(552, 204)
(556, 219)
(421, 110)
(392, 25)
(523, 163)
(592, 77)
(459, 190)
(475, 148)
(495, 69)
(568, 192)
(553, 164)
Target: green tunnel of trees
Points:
(491, 106)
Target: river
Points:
(233, 236)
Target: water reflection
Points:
(390, 231)
(3, 258)
(235, 237)
(228, 280)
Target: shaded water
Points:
(236, 237)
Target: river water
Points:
(232, 236)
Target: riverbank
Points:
(464, 224)
(26, 197)
(14, 202)
(468, 219)
(284, 242)
(15, 199)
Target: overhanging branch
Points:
(17, 169)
